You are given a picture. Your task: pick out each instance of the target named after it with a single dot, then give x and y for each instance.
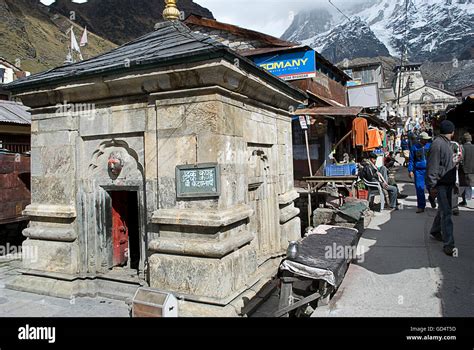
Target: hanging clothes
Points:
(374, 140)
(359, 132)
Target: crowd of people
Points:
(441, 166)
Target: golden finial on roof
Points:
(171, 12)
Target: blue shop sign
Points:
(289, 66)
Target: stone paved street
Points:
(20, 304)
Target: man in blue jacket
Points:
(417, 168)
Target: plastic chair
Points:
(375, 189)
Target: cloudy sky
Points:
(268, 16)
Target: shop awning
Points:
(333, 111)
(330, 111)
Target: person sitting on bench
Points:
(372, 174)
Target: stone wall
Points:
(206, 250)
(254, 217)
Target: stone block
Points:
(34, 126)
(216, 279)
(231, 121)
(208, 146)
(290, 231)
(106, 121)
(97, 123)
(57, 138)
(150, 155)
(53, 190)
(56, 161)
(49, 256)
(175, 151)
(323, 216)
(167, 188)
(57, 124)
(37, 164)
(128, 121)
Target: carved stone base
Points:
(69, 287)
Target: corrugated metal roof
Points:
(14, 113)
(171, 43)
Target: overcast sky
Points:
(268, 16)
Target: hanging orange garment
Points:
(359, 132)
(374, 140)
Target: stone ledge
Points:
(51, 234)
(213, 249)
(50, 211)
(189, 217)
(288, 213)
(288, 197)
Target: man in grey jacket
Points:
(441, 179)
(467, 168)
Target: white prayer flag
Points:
(74, 44)
(84, 40)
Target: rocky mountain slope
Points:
(35, 37)
(350, 40)
(306, 24)
(439, 30)
(454, 75)
(122, 20)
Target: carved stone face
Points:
(115, 163)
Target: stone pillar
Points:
(52, 247)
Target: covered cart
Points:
(313, 271)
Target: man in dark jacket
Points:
(467, 169)
(372, 174)
(441, 179)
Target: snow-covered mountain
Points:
(351, 39)
(438, 30)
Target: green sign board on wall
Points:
(195, 181)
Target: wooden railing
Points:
(17, 147)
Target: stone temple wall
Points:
(214, 253)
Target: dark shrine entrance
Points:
(125, 230)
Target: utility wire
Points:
(402, 56)
(337, 8)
